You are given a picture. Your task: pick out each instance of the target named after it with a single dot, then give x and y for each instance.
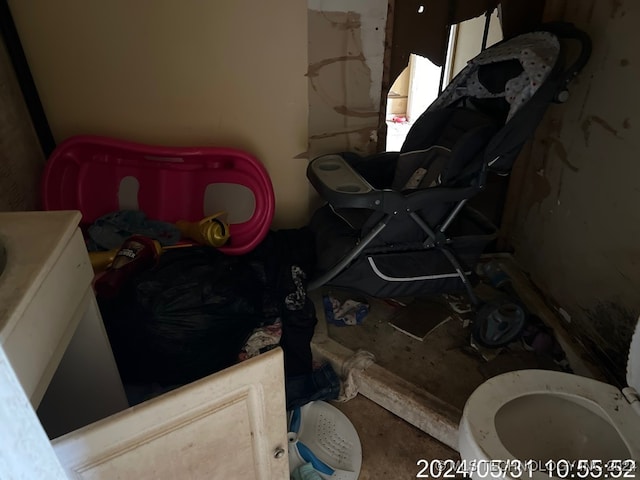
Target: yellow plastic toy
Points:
(212, 230)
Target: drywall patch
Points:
(314, 68)
(344, 110)
(350, 24)
(370, 22)
(346, 50)
(339, 77)
(366, 131)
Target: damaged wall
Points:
(179, 73)
(576, 224)
(346, 50)
(21, 159)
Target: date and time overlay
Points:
(523, 469)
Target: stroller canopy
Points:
(514, 69)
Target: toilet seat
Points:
(478, 431)
(478, 424)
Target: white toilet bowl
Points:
(538, 420)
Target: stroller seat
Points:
(398, 223)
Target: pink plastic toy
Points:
(86, 173)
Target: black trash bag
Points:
(186, 318)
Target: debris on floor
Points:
(358, 362)
(458, 303)
(198, 311)
(344, 313)
(261, 340)
(390, 445)
(540, 338)
(421, 317)
(498, 323)
(486, 353)
(437, 338)
(321, 383)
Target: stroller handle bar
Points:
(567, 31)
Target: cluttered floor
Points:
(163, 324)
(427, 342)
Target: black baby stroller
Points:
(397, 223)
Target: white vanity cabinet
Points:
(50, 325)
(55, 359)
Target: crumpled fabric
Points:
(321, 384)
(261, 340)
(111, 230)
(358, 362)
(349, 312)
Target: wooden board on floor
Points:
(420, 318)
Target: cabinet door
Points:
(230, 425)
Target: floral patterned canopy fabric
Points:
(537, 53)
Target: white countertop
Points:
(33, 241)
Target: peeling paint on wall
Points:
(613, 325)
(594, 119)
(560, 152)
(539, 188)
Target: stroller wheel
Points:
(498, 323)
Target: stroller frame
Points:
(342, 186)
